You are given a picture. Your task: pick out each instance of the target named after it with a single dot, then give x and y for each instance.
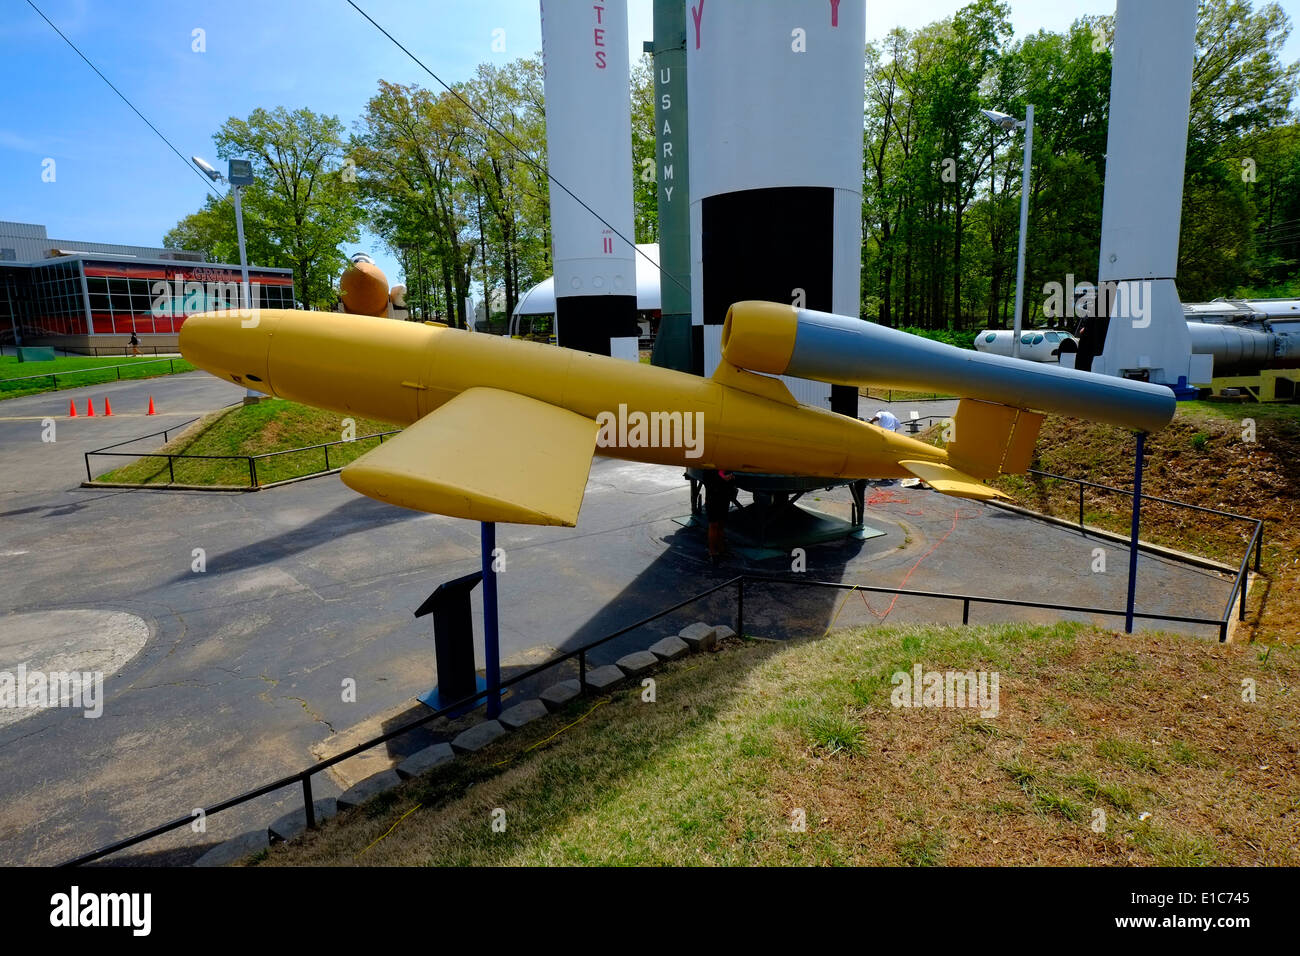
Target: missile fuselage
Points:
(399, 372)
(504, 430)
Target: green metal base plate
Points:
(758, 540)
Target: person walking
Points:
(135, 343)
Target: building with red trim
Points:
(87, 296)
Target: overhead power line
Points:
(188, 165)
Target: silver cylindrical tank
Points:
(1235, 349)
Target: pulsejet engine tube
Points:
(778, 339)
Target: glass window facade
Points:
(85, 296)
(58, 305)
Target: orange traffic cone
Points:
(90, 408)
(151, 411)
(72, 409)
(108, 409)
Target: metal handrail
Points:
(1255, 544)
(969, 599)
(98, 368)
(1145, 496)
(303, 777)
(250, 459)
(326, 444)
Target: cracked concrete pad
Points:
(425, 759)
(73, 642)
(294, 823)
(372, 786)
(522, 713)
(234, 849)
(477, 737)
(670, 648)
(557, 695)
(636, 663)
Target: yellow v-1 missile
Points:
(504, 430)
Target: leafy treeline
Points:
(942, 184)
(461, 198)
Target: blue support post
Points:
(1133, 533)
(491, 632)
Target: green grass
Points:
(269, 426)
(14, 379)
(791, 754)
(1238, 411)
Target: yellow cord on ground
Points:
(394, 826)
(840, 608)
(603, 700)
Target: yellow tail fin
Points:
(990, 439)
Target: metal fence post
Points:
(965, 610)
(1133, 532)
(327, 457)
(582, 669)
(1241, 614)
(1080, 506)
(88, 478)
(171, 471)
(307, 803)
(252, 473)
(740, 607)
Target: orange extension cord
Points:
(882, 496)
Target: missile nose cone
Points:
(229, 346)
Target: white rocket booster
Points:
(775, 92)
(1151, 82)
(589, 150)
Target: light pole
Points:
(1009, 123)
(239, 174)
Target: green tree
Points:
(412, 151)
(645, 181)
(301, 201)
(1241, 91)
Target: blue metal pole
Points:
(491, 632)
(1133, 533)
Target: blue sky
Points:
(117, 182)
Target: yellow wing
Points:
(950, 481)
(486, 455)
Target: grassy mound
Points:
(1107, 749)
(270, 426)
(14, 380)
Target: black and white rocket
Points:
(589, 151)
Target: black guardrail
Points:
(1254, 544)
(303, 777)
(55, 376)
(250, 460)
